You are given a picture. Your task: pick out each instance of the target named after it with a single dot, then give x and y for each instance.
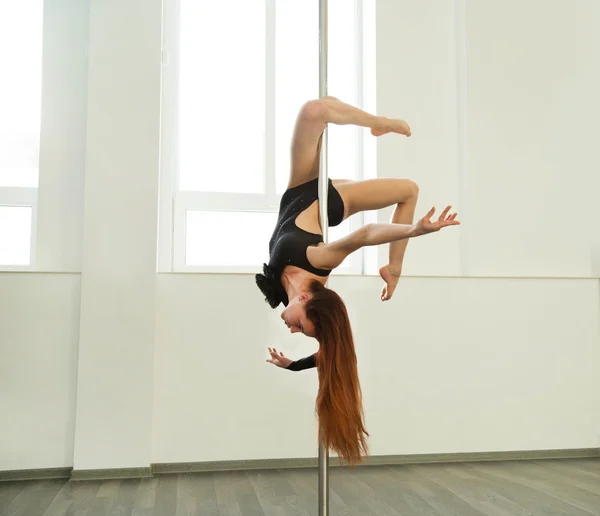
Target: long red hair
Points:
(339, 400)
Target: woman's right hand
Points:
(278, 359)
(426, 225)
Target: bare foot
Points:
(391, 277)
(392, 125)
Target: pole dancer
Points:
(300, 261)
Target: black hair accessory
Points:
(270, 285)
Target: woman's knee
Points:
(409, 189)
(314, 111)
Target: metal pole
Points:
(323, 480)
(323, 190)
(323, 176)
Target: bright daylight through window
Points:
(20, 105)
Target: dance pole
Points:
(323, 189)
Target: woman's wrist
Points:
(416, 231)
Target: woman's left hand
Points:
(278, 359)
(426, 225)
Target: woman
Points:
(300, 263)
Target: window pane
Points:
(297, 78)
(228, 238)
(15, 235)
(341, 82)
(20, 91)
(222, 96)
(296, 73)
(223, 238)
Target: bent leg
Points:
(376, 194)
(403, 214)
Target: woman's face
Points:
(295, 318)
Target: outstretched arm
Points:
(331, 255)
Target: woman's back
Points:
(289, 242)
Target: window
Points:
(20, 105)
(233, 85)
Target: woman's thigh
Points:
(305, 151)
(374, 194)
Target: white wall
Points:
(417, 81)
(39, 335)
(171, 367)
(504, 129)
(116, 346)
(449, 365)
(214, 396)
(532, 179)
(499, 352)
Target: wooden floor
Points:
(545, 488)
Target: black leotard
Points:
(289, 243)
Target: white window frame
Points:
(15, 196)
(175, 203)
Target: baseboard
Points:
(377, 460)
(35, 474)
(110, 474)
(233, 465)
(390, 460)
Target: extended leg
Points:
(310, 124)
(341, 113)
